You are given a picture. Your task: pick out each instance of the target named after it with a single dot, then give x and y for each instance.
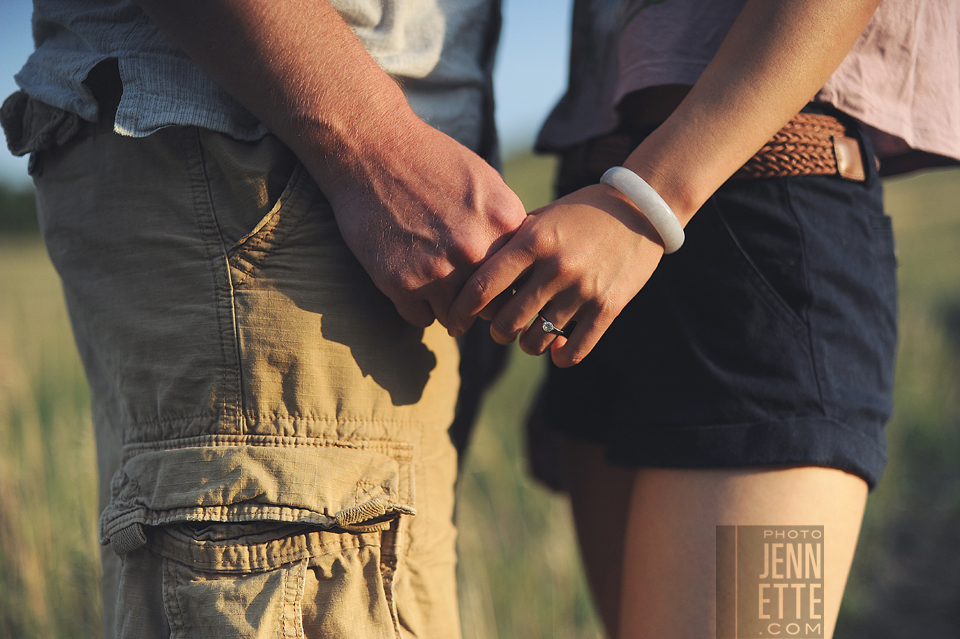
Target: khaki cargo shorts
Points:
(272, 437)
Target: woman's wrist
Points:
(646, 199)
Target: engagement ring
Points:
(550, 327)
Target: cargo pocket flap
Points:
(348, 485)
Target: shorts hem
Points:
(810, 442)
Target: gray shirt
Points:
(442, 49)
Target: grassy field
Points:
(48, 492)
(520, 572)
(905, 581)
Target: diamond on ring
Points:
(551, 328)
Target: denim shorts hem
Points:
(814, 441)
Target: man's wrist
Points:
(349, 146)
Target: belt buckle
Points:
(846, 150)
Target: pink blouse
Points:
(901, 79)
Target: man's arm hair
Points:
(418, 210)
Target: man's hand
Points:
(420, 216)
(418, 210)
(580, 259)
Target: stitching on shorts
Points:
(806, 279)
(335, 545)
(259, 557)
(131, 481)
(203, 207)
(765, 290)
(234, 513)
(298, 417)
(283, 605)
(818, 419)
(858, 433)
(389, 563)
(411, 490)
(241, 398)
(186, 419)
(391, 448)
(171, 599)
(257, 239)
(364, 489)
(297, 612)
(215, 419)
(277, 229)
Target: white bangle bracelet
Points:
(650, 204)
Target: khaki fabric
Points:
(272, 436)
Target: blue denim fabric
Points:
(768, 339)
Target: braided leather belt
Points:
(809, 144)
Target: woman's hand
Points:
(580, 259)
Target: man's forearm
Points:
(298, 68)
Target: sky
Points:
(529, 78)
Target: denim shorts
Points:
(768, 339)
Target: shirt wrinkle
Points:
(902, 76)
(435, 43)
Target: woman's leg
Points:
(648, 537)
(669, 553)
(600, 496)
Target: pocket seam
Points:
(765, 290)
(249, 253)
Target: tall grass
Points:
(520, 574)
(48, 489)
